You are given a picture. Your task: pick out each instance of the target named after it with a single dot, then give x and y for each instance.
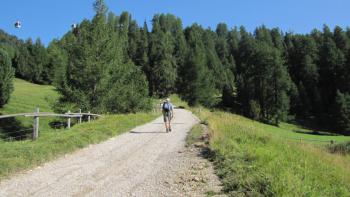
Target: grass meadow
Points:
(256, 159)
(253, 159)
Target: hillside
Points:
(255, 159)
(25, 98)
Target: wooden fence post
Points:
(80, 116)
(68, 120)
(36, 124)
(89, 118)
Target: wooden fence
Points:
(37, 114)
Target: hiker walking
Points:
(168, 114)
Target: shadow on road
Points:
(139, 132)
(171, 123)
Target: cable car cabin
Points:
(18, 24)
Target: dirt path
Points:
(144, 162)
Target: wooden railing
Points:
(38, 114)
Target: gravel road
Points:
(137, 163)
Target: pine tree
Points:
(180, 50)
(57, 62)
(6, 77)
(123, 30)
(341, 40)
(180, 46)
(214, 62)
(263, 34)
(20, 62)
(225, 74)
(133, 40)
(277, 39)
(200, 86)
(98, 75)
(100, 7)
(265, 80)
(37, 60)
(233, 42)
(142, 52)
(271, 80)
(332, 69)
(221, 44)
(162, 61)
(302, 59)
(245, 86)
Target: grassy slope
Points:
(286, 130)
(255, 159)
(20, 155)
(26, 97)
(252, 160)
(296, 132)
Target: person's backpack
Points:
(166, 107)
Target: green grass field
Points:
(254, 159)
(52, 143)
(26, 97)
(286, 131)
(295, 132)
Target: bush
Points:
(6, 78)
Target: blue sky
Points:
(50, 19)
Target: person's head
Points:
(167, 100)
